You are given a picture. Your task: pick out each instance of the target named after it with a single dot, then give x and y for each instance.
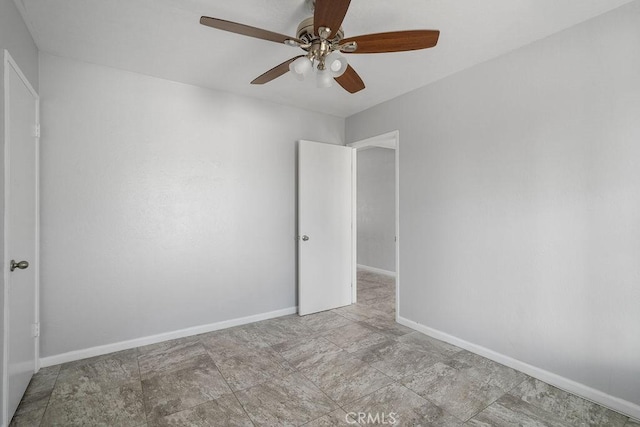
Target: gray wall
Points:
(520, 202)
(15, 37)
(376, 208)
(175, 204)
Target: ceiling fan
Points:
(322, 37)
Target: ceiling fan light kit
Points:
(301, 67)
(322, 37)
(324, 78)
(336, 63)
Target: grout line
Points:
(484, 407)
(33, 410)
(232, 391)
(438, 406)
(321, 391)
(243, 408)
(144, 405)
(526, 377)
(50, 394)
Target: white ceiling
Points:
(163, 38)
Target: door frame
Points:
(385, 140)
(11, 66)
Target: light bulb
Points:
(336, 63)
(324, 78)
(301, 67)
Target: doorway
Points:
(377, 224)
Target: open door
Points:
(21, 236)
(325, 218)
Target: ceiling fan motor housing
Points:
(317, 46)
(305, 32)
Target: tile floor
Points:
(311, 371)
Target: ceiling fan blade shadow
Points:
(395, 41)
(246, 30)
(275, 72)
(350, 81)
(330, 14)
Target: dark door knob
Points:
(21, 265)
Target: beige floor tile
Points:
(354, 337)
(306, 353)
(36, 397)
(96, 375)
(252, 368)
(230, 342)
(28, 418)
(453, 390)
(346, 380)
(289, 401)
(397, 405)
(337, 418)
(120, 406)
(225, 411)
(180, 354)
(324, 321)
(171, 392)
(511, 411)
(568, 407)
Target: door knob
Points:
(305, 238)
(21, 265)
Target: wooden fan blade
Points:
(396, 41)
(246, 30)
(329, 14)
(275, 72)
(350, 81)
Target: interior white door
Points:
(21, 104)
(325, 214)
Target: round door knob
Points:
(21, 265)
(305, 238)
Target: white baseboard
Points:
(620, 405)
(377, 270)
(153, 339)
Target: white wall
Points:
(15, 37)
(376, 211)
(520, 203)
(164, 206)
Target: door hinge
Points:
(35, 330)
(37, 131)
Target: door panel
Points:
(21, 235)
(325, 208)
